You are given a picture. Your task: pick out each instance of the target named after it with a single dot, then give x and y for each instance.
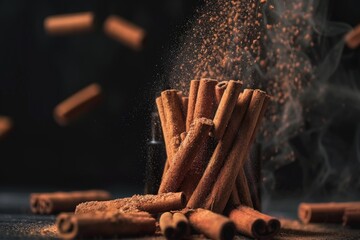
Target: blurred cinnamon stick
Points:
(50, 203)
(69, 23)
(351, 217)
(124, 31)
(352, 38)
(78, 104)
(6, 125)
(331, 212)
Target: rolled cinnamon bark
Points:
(148, 203)
(219, 90)
(352, 38)
(194, 86)
(242, 183)
(124, 31)
(189, 148)
(181, 224)
(174, 226)
(205, 99)
(242, 187)
(5, 126)
(223, 147)
(50, 203)
(184, 104)
(324, 212)
(108, 224)
(166, 225)
(253, 223)
(225, 181)
(78, 104)
(175, 123)
(160, 108)
(212, 225)
(205, 107)
(351, 217)
(226, 107)
(69, 23)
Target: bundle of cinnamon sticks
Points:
(204, 188)
(208, 136)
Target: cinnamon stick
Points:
(175, 123)
(125, 32)
(254, 224)
(184, 156)
(331, 212)
(205, 99)
(184, 104)
(69, 23)
(205, 107)
(174, 226)
(181, 224)
(351, 217)
(5, 126)
(217, 159)
(352, 38)
(78, 104)
(148, 203)
(242, 183)
(242, 187)
(219, 90)
(160, 108)
(226, 107)
(212, 225)
(108, 224)
(166, 225)
(194, 86)
(50, 203)
(235, 160)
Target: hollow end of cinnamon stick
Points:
(125, 32)
(219, 90)
(212, 225)
(181, 224)
(166, 225)
(72, 23)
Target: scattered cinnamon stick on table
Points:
(324, 212)
(69, 23)
(50, 203)
(254, 224)
(108, 224)
(148, 203)
(351, 217)
(78, 104)
(212, 225)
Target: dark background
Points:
(37, 71)
(108, 146)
